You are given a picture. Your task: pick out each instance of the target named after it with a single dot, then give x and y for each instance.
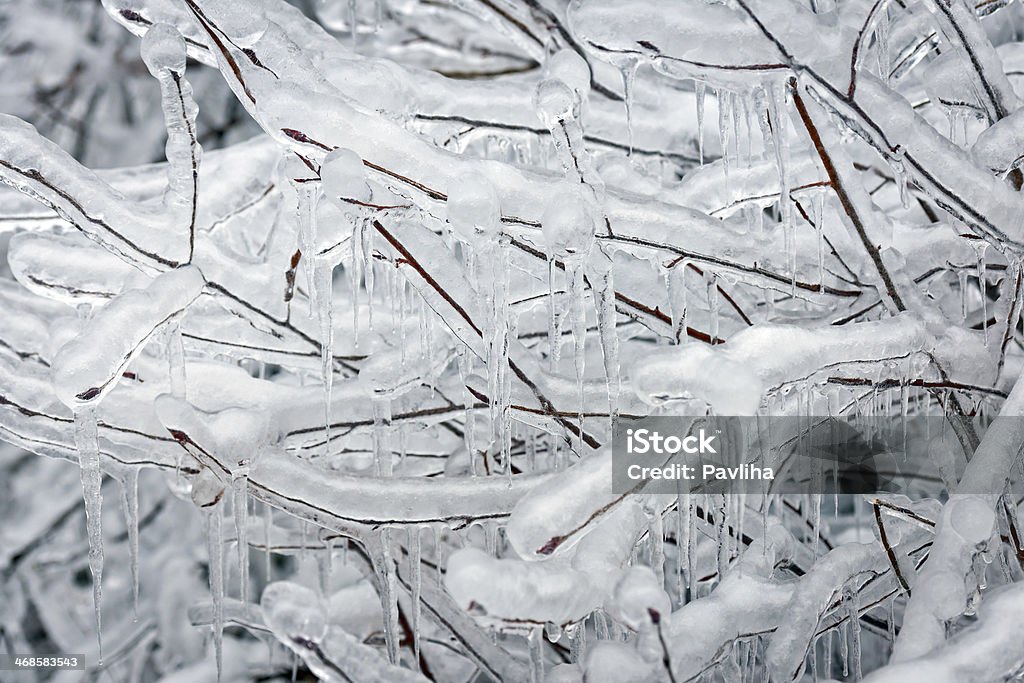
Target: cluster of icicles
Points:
(84, 372)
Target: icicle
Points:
(389, 597)
(721, 533)
(579, 334)
(215, 546)
(735, 111)
(817, 215)
(240, 510)
(382, 460)
(358, 227)
(578, 642)
(605, 299)
(725, 127)
(439, 559)
(325, 562)
(776, 101)
(130, 503)
(474, 213)
(92, 482)
(711, 281)
(816, 517)
(368, 273)
(629, 69)
(536, 647)
(700, 88)
(417, 579)
(306, 194)
(323, 293)
(353, 18)
(882, 43)
(964, 307)
(854, 627)
(268, 522)
(164, 53)
(982, 288)
(899, 171)
(656, 539)
(554, 342)
(176, 359)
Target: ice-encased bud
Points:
(207, 489)
(639, 599)
(555, 101)
(568, 66)
(292, 168)
(293, 611)
(240, 432)
(473, 208)
(568, 224)
(163, 48)
(343, 174)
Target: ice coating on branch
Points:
(87, 367)
(579, 493)
(139, 232)
(70, 268)
(709, 33)
(555, 592)
(734, 378)
(562, 593)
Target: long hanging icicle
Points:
(777, 112)
(604, 290)
(700, 89)
(130, 503)
(240, 512)
(215, 546)
(417, 581)
(389, 596)
(92, 482)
